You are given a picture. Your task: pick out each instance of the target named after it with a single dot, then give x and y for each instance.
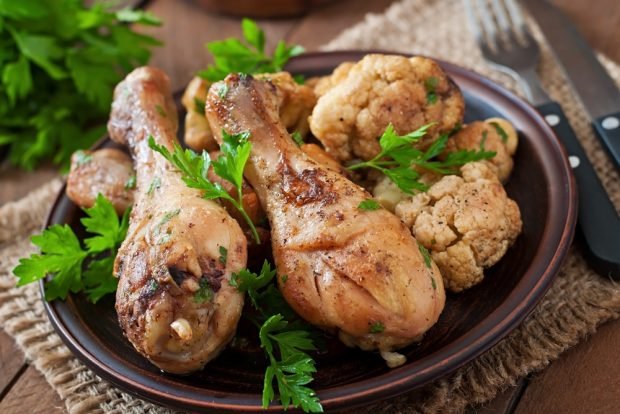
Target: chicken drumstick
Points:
(357, 273)
(174, 302)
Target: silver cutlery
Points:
(507, 44)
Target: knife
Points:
(590, 82)
(599, 222)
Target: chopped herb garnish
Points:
(82, 158)
(160, 110)
(155, 184)
(398, 155)
(235, 151)
(377, 327)
(369, 205)
(199, 105)
(130, 183)
(247, 56)
(223, 255)
(72, 267)
(299, 140)
(168, 215)
(500, 131)
(284, 278)
(430, 85)
(426, 255)
(433, 283)
(204, 292)
(152, 287)
(222, 90)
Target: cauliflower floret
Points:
(295, 102)
(376, 91)
(339, 74)
(467, 223)
(502, 139)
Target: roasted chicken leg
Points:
(174, 302)
(357, 273)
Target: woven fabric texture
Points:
(576, 304)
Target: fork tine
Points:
(501, 17)
(487, 22)
(516, 16)
(473, 20)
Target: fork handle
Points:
(599, 223)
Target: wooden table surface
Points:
(586, 379)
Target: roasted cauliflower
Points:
(360, 100)
(494, 134)
(198, 135)
(466, 222)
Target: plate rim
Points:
(510, 313)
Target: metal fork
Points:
(507, 44)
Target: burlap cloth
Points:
(576, 304)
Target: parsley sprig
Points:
(235, 151)
(235, 56)
(284, 339)
(398, 155)
(72, 267)
(59, 62)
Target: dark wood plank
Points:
(325, 23)
(12, 361)
(31, 394)
(187, 28)
(586, 379)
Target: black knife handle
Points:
(608, 130)
(598, 221)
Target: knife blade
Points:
(590, 81)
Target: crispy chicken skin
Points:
(360, 100)
(174, 301)
(107, 171)
(467, 223)
(356, 273)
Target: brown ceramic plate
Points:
(472, 322)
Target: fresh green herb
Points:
(426, 255)
(299, 140)
(279, 326)
(433, 282)
(248, 56)
(369, 205)
(483, 141)
(293, 369)
(82, 158)
(204, 293)
(168, 215)
(130, 183)
(284, 278)
(223, 255)
(199, 105)
(235, 151)
(398, 155)
(377, 327)
(152, 286)
(155, 184)
(222, 90)
(500, 131)
(430, 85)
(72, 267)
(160, 111)
(59, 63)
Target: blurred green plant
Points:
(59, 64)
